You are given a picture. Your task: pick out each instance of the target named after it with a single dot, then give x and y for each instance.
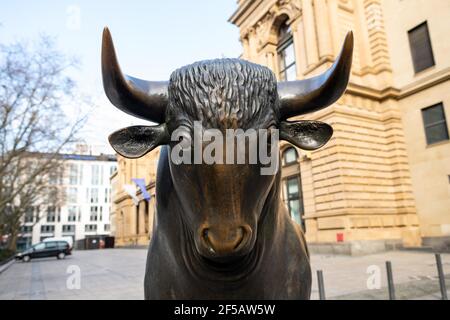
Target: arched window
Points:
(290, 156)
(286, 53)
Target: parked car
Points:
(69, 240)
(58, 249)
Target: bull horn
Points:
(139, 98)
(304, 96)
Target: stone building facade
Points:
(132, 219)
(383, 179)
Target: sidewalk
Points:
(414, 273)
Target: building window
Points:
(51, 214)
(72, 214)
(26, 229)
(68, 228)
(73, 174)
(294, 199)
(435, 124)
(95, 175)
(107, 195)
(94, 213)
(72, 195)
(80, 174)
(94, 195)
(90, 228)
(53, 177)
(421, 50)
(146, 217)
(47, 229)
(107, 227)
(286, 54)
(290, 156)
(29, 215)
(52, 194)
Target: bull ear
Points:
(307, 135)
(134, 142)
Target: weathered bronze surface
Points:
(221, 230)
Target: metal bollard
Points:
(321, 285)
(441, 276)
(390, 280)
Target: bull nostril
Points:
(240, 237)
(206, 240)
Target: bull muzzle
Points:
(222, 242)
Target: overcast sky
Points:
(152, 38)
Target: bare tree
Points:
(34, 128)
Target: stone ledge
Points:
(441, 244)
(355, 248)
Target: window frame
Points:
(412, 48)
(91, 227)
(295, 161)
(436, 123)
(93, 213)
(299, 197)
(284, 42)
(68, 228)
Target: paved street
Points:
(105, 274)
(119, 274)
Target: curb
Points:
(6, 265)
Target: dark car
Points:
(58, 249)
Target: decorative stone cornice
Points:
(396, 93)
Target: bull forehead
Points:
(224, 93)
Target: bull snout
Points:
(221, 242)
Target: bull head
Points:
(222, 204)
(148, 100)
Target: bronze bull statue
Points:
(221, 230)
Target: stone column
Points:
(334, 25)
(252, 46)
(310, 33)
(245, 46)
(142, 217)
(299, 46)
(323, 28)
(270, 60)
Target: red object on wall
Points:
(339, 237)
